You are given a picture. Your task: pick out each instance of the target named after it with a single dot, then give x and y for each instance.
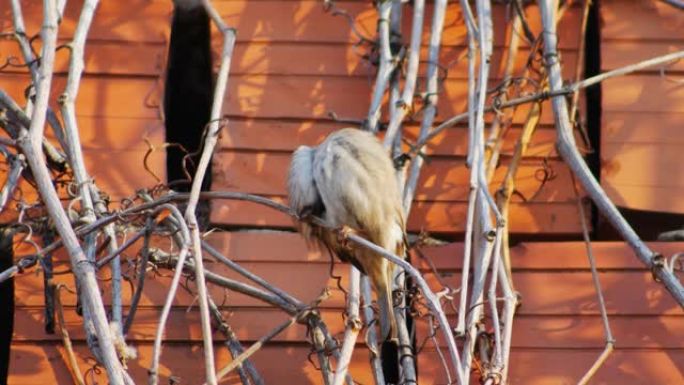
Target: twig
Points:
(432, 300)
(580, 58)
(235, 347)
(388, 63)
(17, 165)
(430, 108)
(31, 144)
(66, 340)
(675, 3)
(207, 152)
(156, 349)
(260, 343)
(27, 52)
(406, 357)
(502, 120)
(485, 252)
(353, 325)
(473, 180)
(554, 93)
(117, 253)
(48, 290)
(88, 192)
(569, 152)
(507, 188)
(406, 102)
(141, 277)
(371, 333)
(251, 276)
(610, 342)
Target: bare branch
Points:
(406, 102)
(568, 150)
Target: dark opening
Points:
(188, 93)
(6, 304)
(592, 67)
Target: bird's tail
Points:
(388, 323)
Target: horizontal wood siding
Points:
(290, 73)
(643, 113)
(118, 109)
(118, 105)
(558, 319)
(293, 65)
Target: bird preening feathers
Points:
(349, 181)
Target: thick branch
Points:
(569, 152)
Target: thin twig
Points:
(66, 339)
(209, 144)
(246, 370)
(610, 341)
(555, 93)
(270, 335)
(173, 287)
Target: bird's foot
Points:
(343, 236)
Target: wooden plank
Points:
(149, 21)
(110, 133)
(279, 246)
(642, 93)
(546, 256)
(287, 97)
(287, 364)
(641, 127)
(306, 21)
(124, 97)
(442, 179)
(103, 58)
(584, 332)
(131, 21)
(252, 246)
(653, 165)
(249, 324)
(566, 366)
(544, 292)
(640, 20)
(619, 53)
(183, 325)
(118, 174)
(650, 198)
(339, 59)
(305, 283)
(249, 135)
(315, 97)
(566, 292)
(438, 217)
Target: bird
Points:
(349, 182)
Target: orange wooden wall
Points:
(118, 102)
(290, 71)
(293, 63)
(643, 113)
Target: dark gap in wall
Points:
(592, 67)
(188, 94)
(6, 304)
